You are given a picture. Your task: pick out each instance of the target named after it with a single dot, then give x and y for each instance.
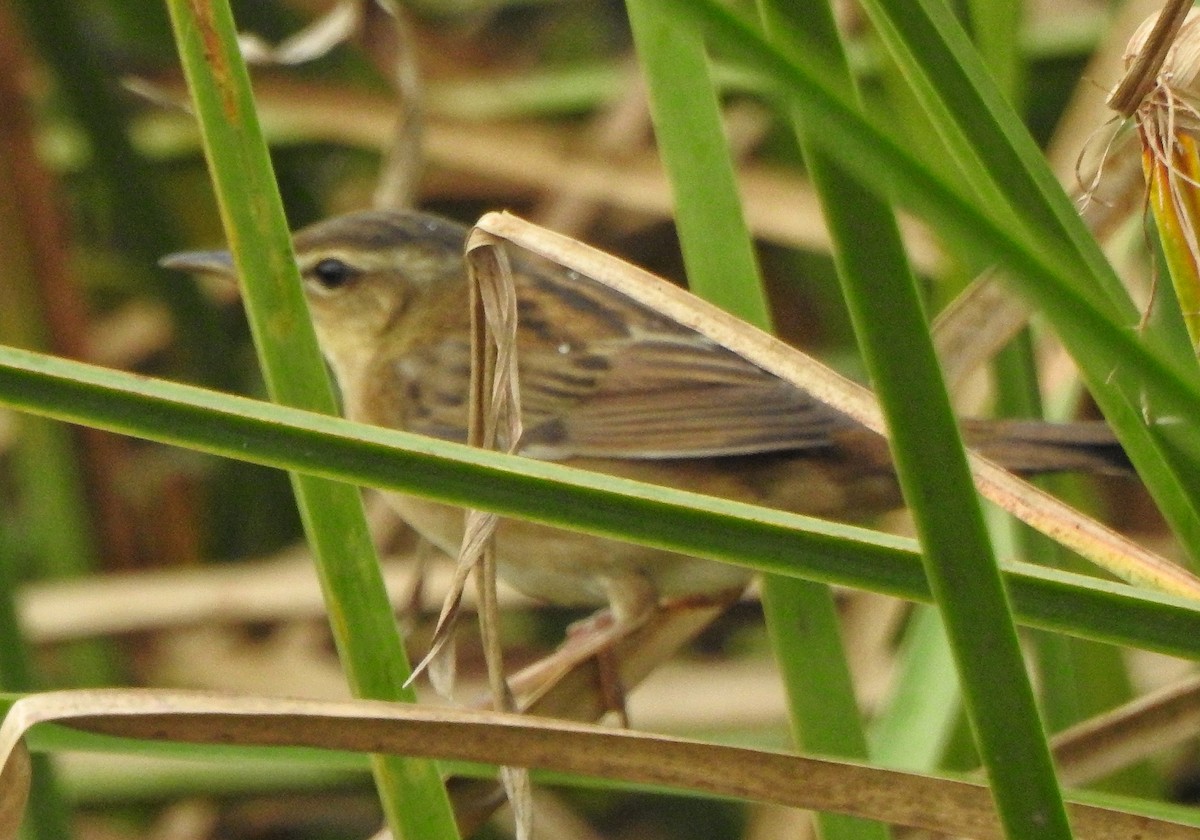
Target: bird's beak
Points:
(218, 263)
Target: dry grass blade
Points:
(403, 161)
(14, 790)
(277, 588)
(495, 422)
(1128, 734)
(495, 333)
(948, 806)
(329, 30)
(1094, 541)
(969, 332)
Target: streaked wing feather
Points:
(639, 386)
(672, 397)
(687, 422)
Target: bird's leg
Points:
(633, 600)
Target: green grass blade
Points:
(993, 148)
(996, 31)
(889, 320)
(361, 617)
(779, 19)
(925, 704)
(717, 250)
(721, 266)
(758, 538)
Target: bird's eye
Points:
(333, 273)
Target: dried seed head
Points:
(1180, 72)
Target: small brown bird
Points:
(608, 385)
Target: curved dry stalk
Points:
(933, 803)
(495, 423)
(980, 320)
(1096, 542)
(403, 159)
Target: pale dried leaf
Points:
(495, 423)
(520, 796)
(165, 98)
(447, 620)
(491, 275)
(441, 666)
(1091, 539)
(441, 648)
(330, 30)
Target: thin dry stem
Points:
(1149, 59)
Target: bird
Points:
(607, 384)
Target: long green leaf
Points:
(361, 617)
(758, 538)
(721, 266)
(889, 321)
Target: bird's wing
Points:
(666, 397)
(603, 376)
